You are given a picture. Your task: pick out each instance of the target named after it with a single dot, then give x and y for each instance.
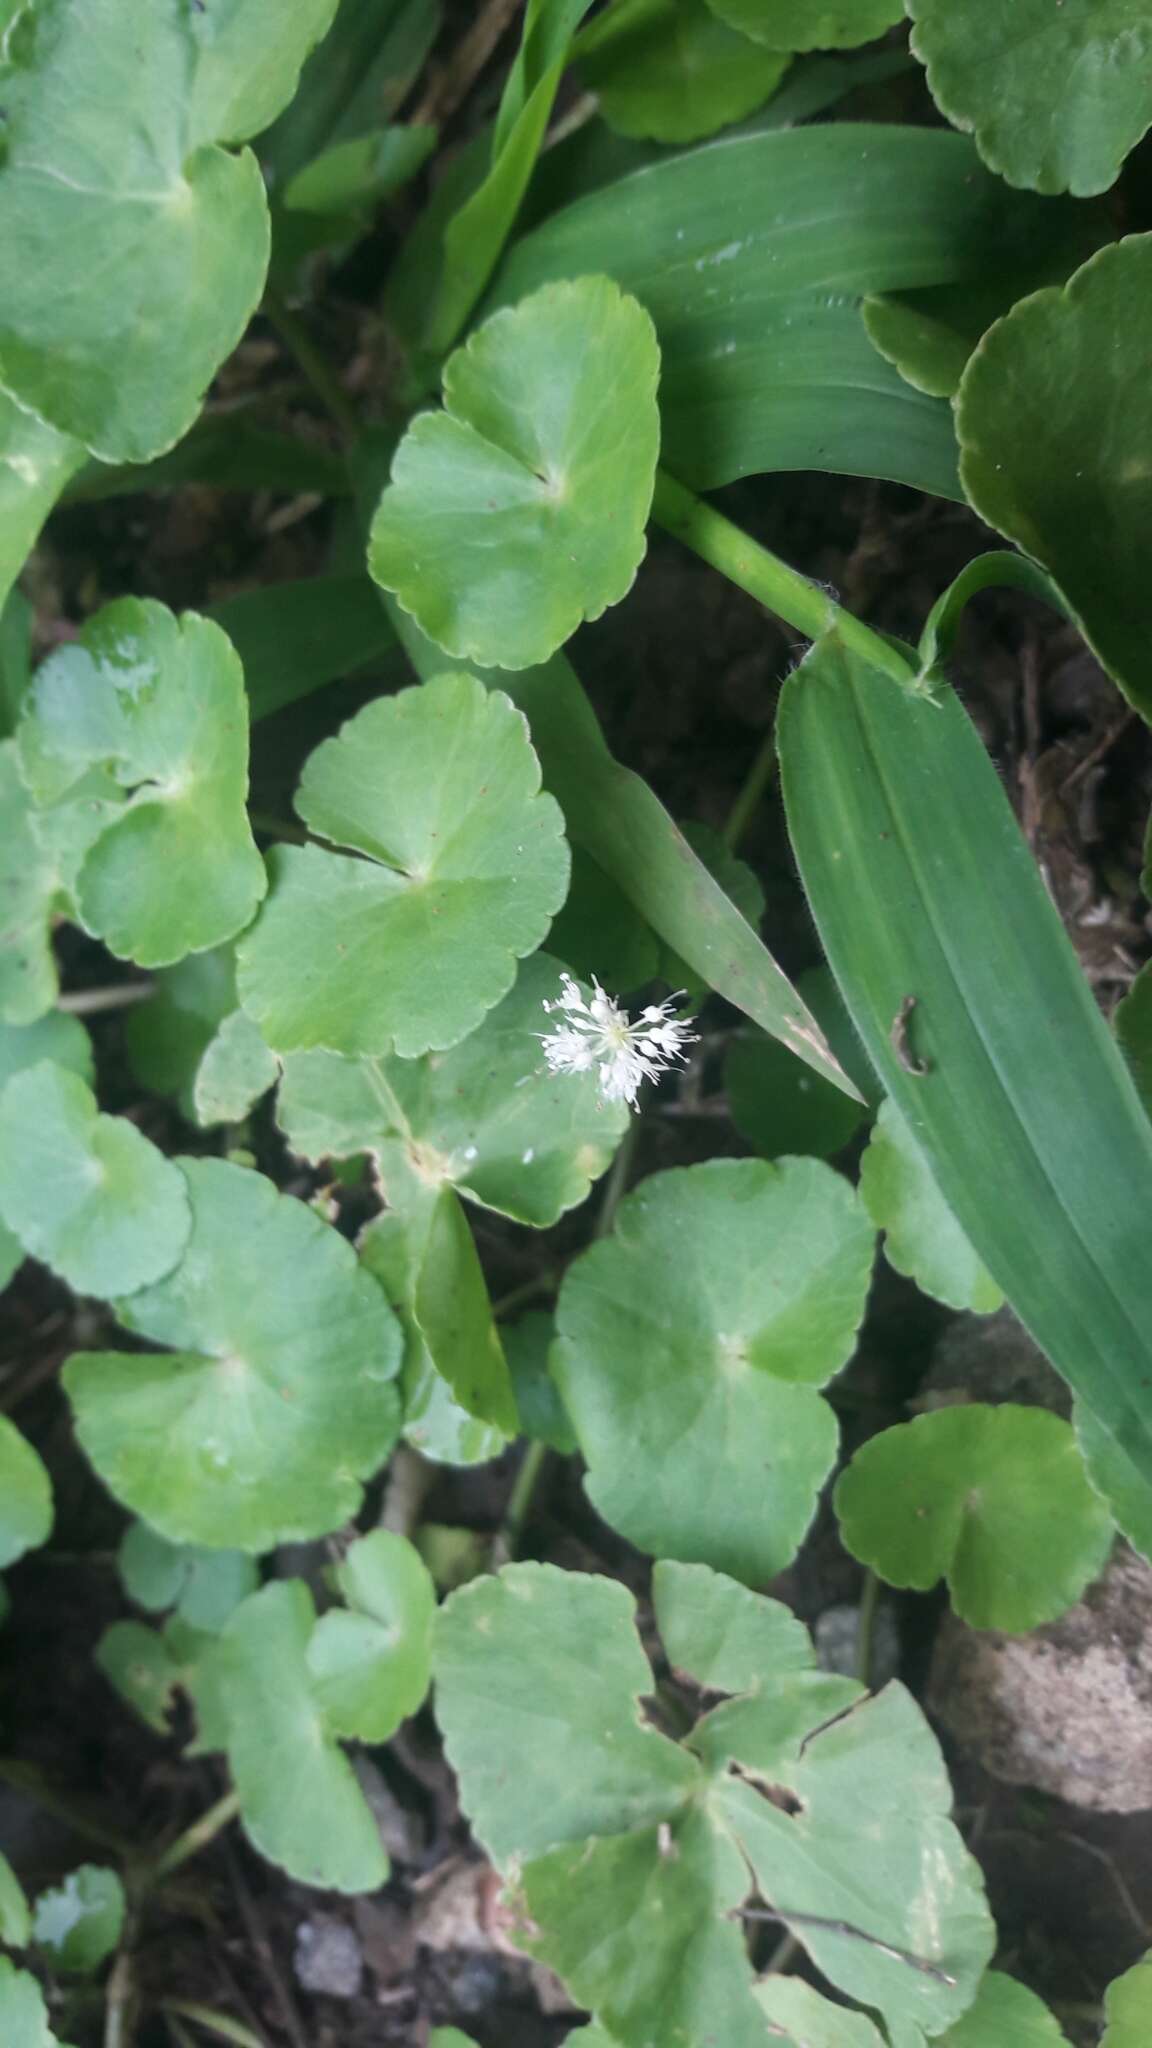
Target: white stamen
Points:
(597, 1032)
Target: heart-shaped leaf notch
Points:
(633, 1858)
(994, 1499)
(465, 864)
(692, 1345)
(519, 510)
(274, 1402)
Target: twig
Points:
(844, 1927)
(259, 1939)
(196, 1837)
(218, 2023)
(88, 1002)
(446, 92)
(120, 1999)
(865, 1627)
(410, 1479)
(178, 2031)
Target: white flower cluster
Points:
(595, 1032)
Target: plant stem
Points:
(617, 1181)
(23, 1778)
(315, 365)
(196, 1837)
(507, 1541)
(750, 792)
(865, 1627)
(766, 578)
(87, 1002)
(217, 2023)
(541, 1283)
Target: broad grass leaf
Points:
(408, 949)
(1127, 1493)
(672, 70)
(994, 1499)
(486, 1117)
(25, 1496)
(78, 1923)
(1127, 2003)
(274, 1401)
(692, 1345)
(371, 1660)
(810, 24)
(136, 245)
(1055, 96)
(1006, 2014)
(299, 1800)
(88, 1194)
(158, 703)
(520, 509)
(1054, 415)
(922, 1238)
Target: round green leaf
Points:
(86, 1193)
(800, 2016)
(79, 1922)
(527, 1347)
(451, 2037)
(725, 1637)
(274, 1402)
(810, 24)
(995, 1500)
(1127, 1493)
(299, 1800)
(691, 1347)
(1127, 2003)
(782, 1106)
(159, 702)
(15, 1919)
(1005, 2015)
(671, 70)
(139, 1664)
(922, 1237)
(236, 1070)
(1055, 95)
(54, 1036)
(1054, 416)
(168, 1035)
(25, 1496)
(408, 949)
(138, 246)
(204, 1586)
(371, 1660)
(487, 1117)
(40, 852)
(23, 2013)
(552, 1661)
(520, 510)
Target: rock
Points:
(328, 1956)
(992, 1358)
(1068, 1708)
(834, 1635)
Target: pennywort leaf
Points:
(672, 70)
(519, 510)
(799, 2015)
(40, 854)
(274, 1400)
(1071, 482)
(995, 1499)
(692, 1345)
(1126, 2005)
(809, 24)
(782, 1106)
(1056, 97)
(23, 2013)
(203, 1586)
(158, 703)
(1005, 2014)
(137, 243)
(79, 1923)
(407, 949)
(921, 1236)
(25, 1496)
(54, 1036)
(15, 1919)
(88, 1194)
(370, 1660)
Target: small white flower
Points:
(594, 1031)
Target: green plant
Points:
(375, 1044)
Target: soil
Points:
(684, 676)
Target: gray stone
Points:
(1067, 1708)
(992, 1358)
(328, 1956)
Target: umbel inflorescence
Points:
(596, 1032)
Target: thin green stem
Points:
(218, 2023)
(315, 365)
(750, 793)
(528, 1290)
(865, 1627)
(765, 577)
(519, 1506)
(196, 1837)
(616, 1183)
